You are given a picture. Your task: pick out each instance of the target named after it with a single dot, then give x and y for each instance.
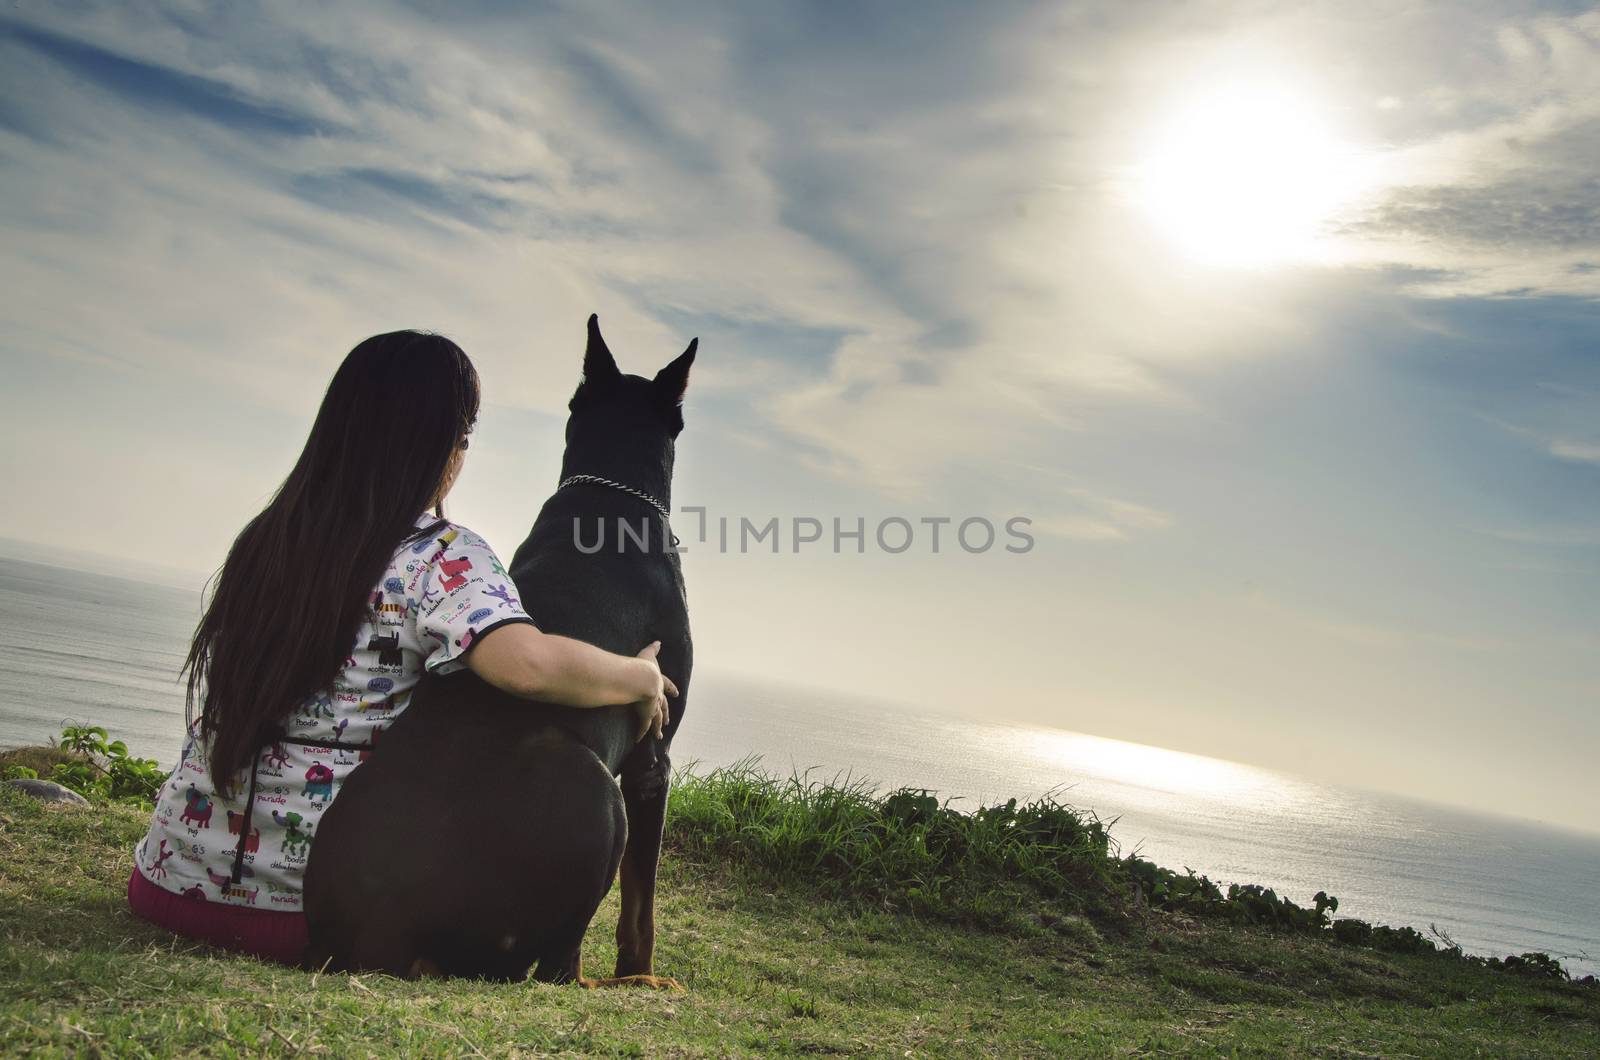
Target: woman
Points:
(332, 604)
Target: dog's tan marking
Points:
(652, 982)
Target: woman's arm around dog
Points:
(519, 659)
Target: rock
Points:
(49, 791)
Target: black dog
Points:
(482, 837)
(388, 649)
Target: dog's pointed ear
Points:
(599, 367)
(673, 380)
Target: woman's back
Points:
(436, 595)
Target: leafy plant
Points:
(102, 768)
(1535, 966)
(1352, 932)
(84, 739)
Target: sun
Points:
(1246, 175)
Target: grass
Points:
(779, 914)
(1000, 867)
(41, 760)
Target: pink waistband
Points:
(270, 934)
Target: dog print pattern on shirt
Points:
(437, 595)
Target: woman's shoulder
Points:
(440, 539)
(452, 536)
(432, 534)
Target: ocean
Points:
(88, 647)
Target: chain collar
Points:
(596, 480)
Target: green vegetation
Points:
(90, 763)
(33, 762)
(1007, 867)
(803, 918)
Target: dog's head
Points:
(621, 420)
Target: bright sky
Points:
(1278, 320)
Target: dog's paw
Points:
(648, 982)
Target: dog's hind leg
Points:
(560, 964)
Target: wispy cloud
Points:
(1578, 452)
(162, 87)
(1549, 439)
(1496, 185)
(1102, 519)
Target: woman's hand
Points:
(651, 708)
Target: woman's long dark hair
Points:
(298, 580)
